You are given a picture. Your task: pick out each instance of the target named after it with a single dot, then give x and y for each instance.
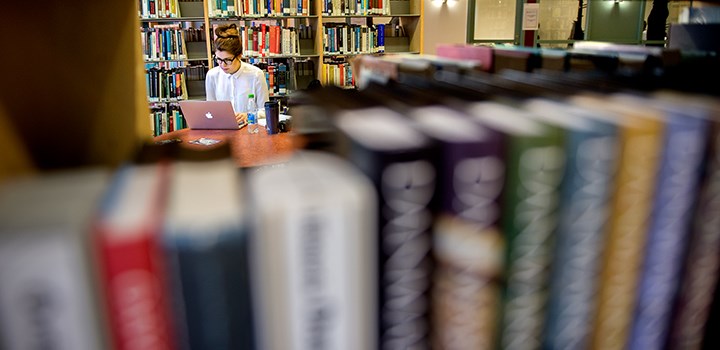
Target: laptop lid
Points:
(209, 115)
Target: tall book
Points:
(467, 242)
(640, 143)
(204, 241)
(48, 295)
(591, 156)
(399, 161)
(534, 159)
(681, 159)
(701, 264)
(133, 277)
(313, 254)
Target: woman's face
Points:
(228, 62)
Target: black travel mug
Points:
(272, 117)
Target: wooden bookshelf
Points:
(77, 98)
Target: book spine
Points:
(585, 198)
(132, 271)
(675, 196)
(406, 188)
(137, 299)
(43, 286)
(380, 38)
(640, 146)
(535, 169)
(465, 291)
(213, 293)
(405, 181)
(702, 264)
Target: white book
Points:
(314, 255)
(48, 294)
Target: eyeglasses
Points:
(226, 61)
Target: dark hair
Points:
(227, 38)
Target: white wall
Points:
(445, 23)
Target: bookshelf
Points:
(174, 45)
(306, 26)
(344, 34)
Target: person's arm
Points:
(210, 85)
(261, 89)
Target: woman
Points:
(232, 80)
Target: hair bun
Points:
(227, 31)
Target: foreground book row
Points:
(587, 222)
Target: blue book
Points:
(380, 38)
(591, 155)
(684, 140)
(204, 242)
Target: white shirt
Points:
(220, 86)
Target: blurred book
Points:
(204, 243)
(314, 254)
(535, 160)
(48, 289)
(591, 157)
(467, 241)
(399, 161)
(678, 173)
(133, 273)
(640, 144)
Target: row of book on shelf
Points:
(151, 9)
(343, 38)
(159, 8)
(277, 75)
(338, 72)
(358, 8)
(275, 8)
(270, 40)
(166, 83)
(166, 117)
(163, 42)
(463, 210)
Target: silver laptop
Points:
(209, 115)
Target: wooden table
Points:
(248, 150)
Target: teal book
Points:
(535, 162)
(585, 193)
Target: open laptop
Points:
(209, 115)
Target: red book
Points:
(273, 39)
(278, 39)
(126, 236)
(263, 43)
(255, 42)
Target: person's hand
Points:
(240, 117)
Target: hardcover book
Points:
(126, 236)
(591, 157)
(399, 161)
(314, 254)
(640, 143)
(48, 287)
(467, 242)
(204, 241)
(535, 161)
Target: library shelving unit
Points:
(369, 27)
(293, 41)
(277, 37)
(174, 42)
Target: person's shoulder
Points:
(213, 72)
(252, 68)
